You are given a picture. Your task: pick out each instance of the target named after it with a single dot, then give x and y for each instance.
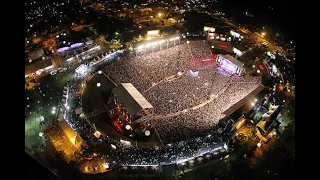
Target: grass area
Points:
(40, 102)
(32, 130)
(61, 80)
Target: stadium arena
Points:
(187, 88)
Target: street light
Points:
(105, 165)
(98, 84)
(159, 14)
(99, 72)
(263, 33)
(147, 133)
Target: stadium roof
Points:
(233, 60)
(38, 65)
(131, 99)
(240, 103)
(155, 39)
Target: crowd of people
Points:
(149, 74)
(165, 80)
(171, 153)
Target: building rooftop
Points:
(38, 65)
(233, 60)
(131, 99)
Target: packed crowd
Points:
(199, 48)
(149, 73)
(171, 153)
(195, 122)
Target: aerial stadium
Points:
(167, 97)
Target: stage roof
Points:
(131, 99)
(233, 60)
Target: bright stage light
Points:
(140, 47)
(127, 127)
(105, 165)
(147, 133)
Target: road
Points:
(258, 38)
